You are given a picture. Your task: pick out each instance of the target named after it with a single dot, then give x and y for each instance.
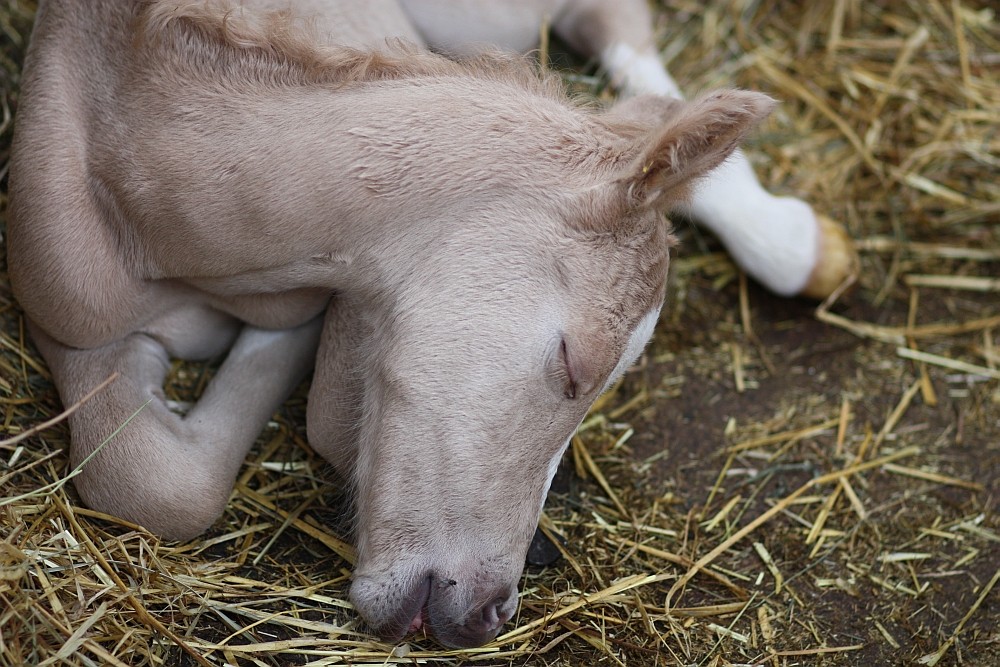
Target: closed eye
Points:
(569, 385)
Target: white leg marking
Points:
(635, 73)
(775, 239)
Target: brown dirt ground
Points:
(815, 367)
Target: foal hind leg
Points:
(169, 473)
(779, 241)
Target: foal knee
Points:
(177, 504)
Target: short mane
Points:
(277, 37)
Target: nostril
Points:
(481, 621)
(493, 614)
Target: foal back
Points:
(78, 263)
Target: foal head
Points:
(538, 280)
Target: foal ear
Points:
(697, 137)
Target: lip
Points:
(419, 621)
(411, 613)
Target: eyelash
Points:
(569, 386)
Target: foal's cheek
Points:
(336, 396)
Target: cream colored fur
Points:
(474, 257)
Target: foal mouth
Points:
(420, 618)
(412, 615)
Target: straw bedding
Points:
(773, 484)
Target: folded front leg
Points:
(780, 241)
(169, 473)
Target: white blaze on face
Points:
(553, 467)
(636, 343)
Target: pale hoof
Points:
(837, 259)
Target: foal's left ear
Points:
(697, 137)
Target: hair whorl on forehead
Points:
(278, 36)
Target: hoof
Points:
(838, 259)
